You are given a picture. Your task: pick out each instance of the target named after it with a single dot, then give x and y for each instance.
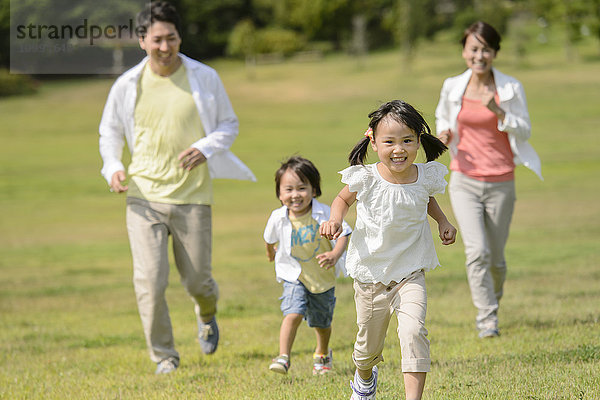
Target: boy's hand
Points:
(271, 250)
(447, 233)
(327, 260)
(331, 229)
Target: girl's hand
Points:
(330, 229)
(447, 233)
(327, 260)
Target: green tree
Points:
(495, 13)
(594, 20)
(571, 15)
(207, 24)
(242, 41)
(407, 20)
(327, 20)
(373, 13)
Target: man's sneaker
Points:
(166, 366)
(208, 336)
(489, 333)
(280, 364)
(364, 393)
(322, 364)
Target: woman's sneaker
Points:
(280, 364)
(360, 392)
(322, 363)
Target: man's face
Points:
(161, 43)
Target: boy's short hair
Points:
(156, 11)
(305, 170)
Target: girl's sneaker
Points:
(280, 364)
(322, 363)
(360, 392)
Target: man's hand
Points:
(116, 182)
(191, 158)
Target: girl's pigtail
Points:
(433, 146)
(359, 153)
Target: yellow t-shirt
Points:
(306, 244)
(166, 123)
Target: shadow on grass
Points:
(584, 353)
(539, 324)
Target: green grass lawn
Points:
(68, 318)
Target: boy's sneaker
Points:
(166, 366)
(364, 393)
(208, 336)
(322, 363)
(280, 364)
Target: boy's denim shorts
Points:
(317, 309)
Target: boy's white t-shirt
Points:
(391, 238)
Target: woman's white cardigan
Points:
(516, 122)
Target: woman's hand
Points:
(488, 99)
(445, 136)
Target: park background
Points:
(68, 318)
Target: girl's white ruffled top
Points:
(391, 239)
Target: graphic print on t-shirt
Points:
(306, 244)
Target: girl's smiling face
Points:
(396, 146)
(295, 194)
